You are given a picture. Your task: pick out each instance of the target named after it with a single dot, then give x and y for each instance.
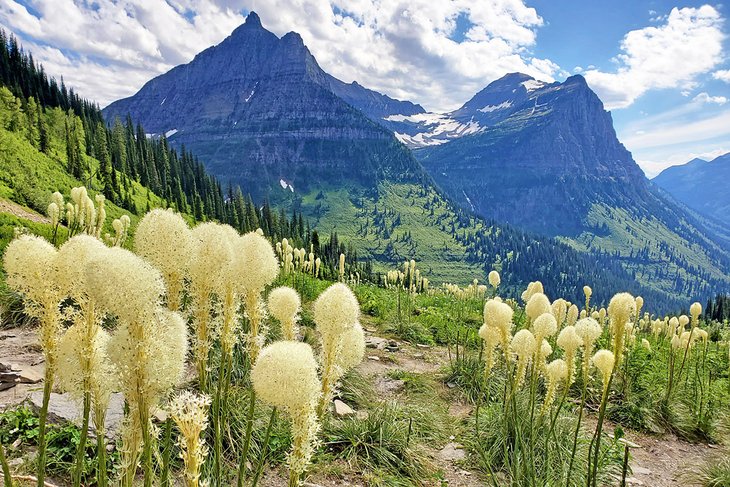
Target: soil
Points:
(659, 462)
(17, 210)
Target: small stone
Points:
(450, 385)
(30, 376)
(633, 481)
(422, 345)
(161, 415)
(452, 452)
(374, 358)
(342, 409)
(376, 342)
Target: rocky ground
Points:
(659, 462)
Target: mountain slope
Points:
(701, 185)
(547, 159)
(261, 113)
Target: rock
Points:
(62, 408)
(451, 385)
(387, 385)
(376, 342)
(640, 471)
(342, 410)
(422, 345)
(374, 358)
(161, 415)
(30, 376)
(4, 386)
(452, 452)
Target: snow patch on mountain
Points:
(170, 133)
(433, 128)
(532, 84)
(285, 185)
(494, 108)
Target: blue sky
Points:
(661, 67)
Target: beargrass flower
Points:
(285, 376)
(494, 279)
(524, 346)
(556, 372)
(256, 267)
(336, 311)
(570, 342)
(604, 361)
(537, 305)
(164, 239)
(284, 305)
(189, 411)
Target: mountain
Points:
(259, 111)
(262, 113)
(545, 157)
(701, 185)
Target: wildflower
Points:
(123, 284)
(498, 315)
(494, 279)
(588, 293)
(284, 305)
(524, 346)
(27, 262)
(336, 311)
(190, 413)
(164, 239)
(620, 310)
(545, 325)
(285, 376)
(560, 310)
(537, 305)
(572, 315)
(209, 271)
(353, 348)
(645, 343)
(588, 330)
(569, 341)
(556, 372)
(604, 361)
(695, 310)
(532, 288)
(256, 267)
(491, 337)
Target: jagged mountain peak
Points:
(259, 110)
(253, 20)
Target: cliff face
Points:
(259, 111)
(541, 158)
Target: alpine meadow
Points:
(249, 269)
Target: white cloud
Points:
(671, 55)
(705, 98)
(722, 75)
(107, 49)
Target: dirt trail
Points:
(12, 208)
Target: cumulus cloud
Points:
(435, 53)
(722, 75)
(705, 98)
(671, 55)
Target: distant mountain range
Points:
(260, 112)
(701, 185)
